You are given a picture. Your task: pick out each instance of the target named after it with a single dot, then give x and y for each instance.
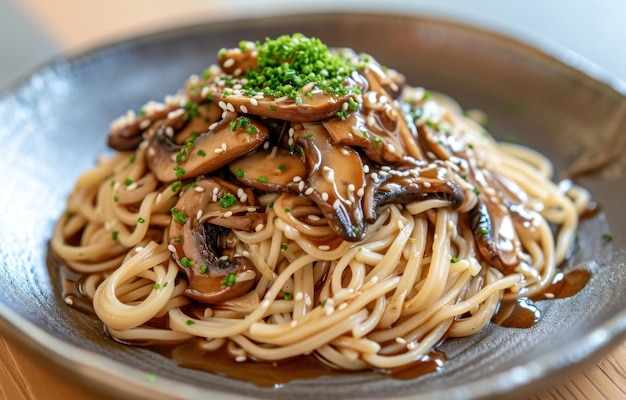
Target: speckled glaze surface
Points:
(53, 126)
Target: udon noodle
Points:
(327, 208)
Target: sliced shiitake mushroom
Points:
(199, 237)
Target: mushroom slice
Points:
(222, 143)
(408, 185)
(334, 180)
(271, 170)
(201, 244)
(127, 136)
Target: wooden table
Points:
(76, 25)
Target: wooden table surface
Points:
(89, 23)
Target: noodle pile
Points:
(372, 278)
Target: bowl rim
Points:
(97, 367)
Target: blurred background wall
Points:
(33, 31)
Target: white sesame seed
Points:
(259, 227)
(254, 101)
(144, 124)
(199, 214)
(237, 72)
(427, 184)
(243, 109)
(360, 192)
(325, 196)
(229, 63)
(293, 323)
(351, 187)
(301, 186)
(246, 253)
(366, 169)
(266, 145)
(213, 126)
(224, 147)
(308, 191)
(307, 300)
(342, 306)
(291, 132)
(240, 358)
(400, 340)
(169, 132)
(222, 105)
(69, 300)
(218, 150)
(228, 214)
(323, 247)
(299, 296)
(251, 209)
(176, 113)
(412, 345)
(297, 178)
(344, 106)
(132, 186)
(313, 217)
(230, 107)
(171, 248)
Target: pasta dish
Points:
(294, 199)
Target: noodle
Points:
(367, 267)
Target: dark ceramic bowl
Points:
(53, 125)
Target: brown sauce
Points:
(522, 313)
(565, 284)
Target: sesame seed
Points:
(237, 72)
(224, 258)
(230, 107)
(299, 296)
(293, 323)
(224, 147)
(132, 186)
(199, 214)
(240, 358)
(308, 191)
(229, 63)
(213, 126)
(171, 248)
(342, 306)
(307, 300)
(313, 217)
(351, 187)
(412, 345)
(258, 227)
(345, 105)
(366, 169)
(336, 204)
(297, 178)
(69, 300)
(228, 214)
(323, 247)
(325, 196)
(243, 109)
(169, 132)
(291, 132)
(222, 105)
(301, 186)
(427, 184)
(144, 124)
(400, 340)
(254, 101)
(218, 150)
(266, 145)
(176, 113)
(360, 192)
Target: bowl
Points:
(54, 126)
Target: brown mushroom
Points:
(200, 242)
(223, 142)
(407, 185)
(271, 170)
(127, 136)
(334, 180)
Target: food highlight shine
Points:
(295, 200)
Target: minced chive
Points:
(239, 172)
(128, 181)
(454, 260)
(608, 236)
(112, 182)
(201, 153)
(150, 376)
(284, 246)
(156, 286)
(309, 136)
(282, 167)
(190, 322)
(483, 231)
(287, 210)
(116, 199)
(189, 185)
(270, 204)
(141, 220)
(357, 230)
(191, 110)
(261, 179)
(476, 190)
(179, 217)
(176, 186)
(187, 263)
(114, 235)
(287, 296)
(228, 200)
(203, 269)
(132, 159)
(272, 107)
(323, 303)
(229, 280)
(179, 171)
(352, 105)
